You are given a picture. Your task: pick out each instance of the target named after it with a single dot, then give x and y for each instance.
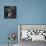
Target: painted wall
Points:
(28, 12)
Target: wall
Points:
(28, 12)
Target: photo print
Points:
(9, 11)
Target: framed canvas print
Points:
(28, 34)
(9, 11)
(32, 32)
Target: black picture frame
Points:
(10, 12)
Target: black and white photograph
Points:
(9, 11)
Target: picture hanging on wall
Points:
(9, 11)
